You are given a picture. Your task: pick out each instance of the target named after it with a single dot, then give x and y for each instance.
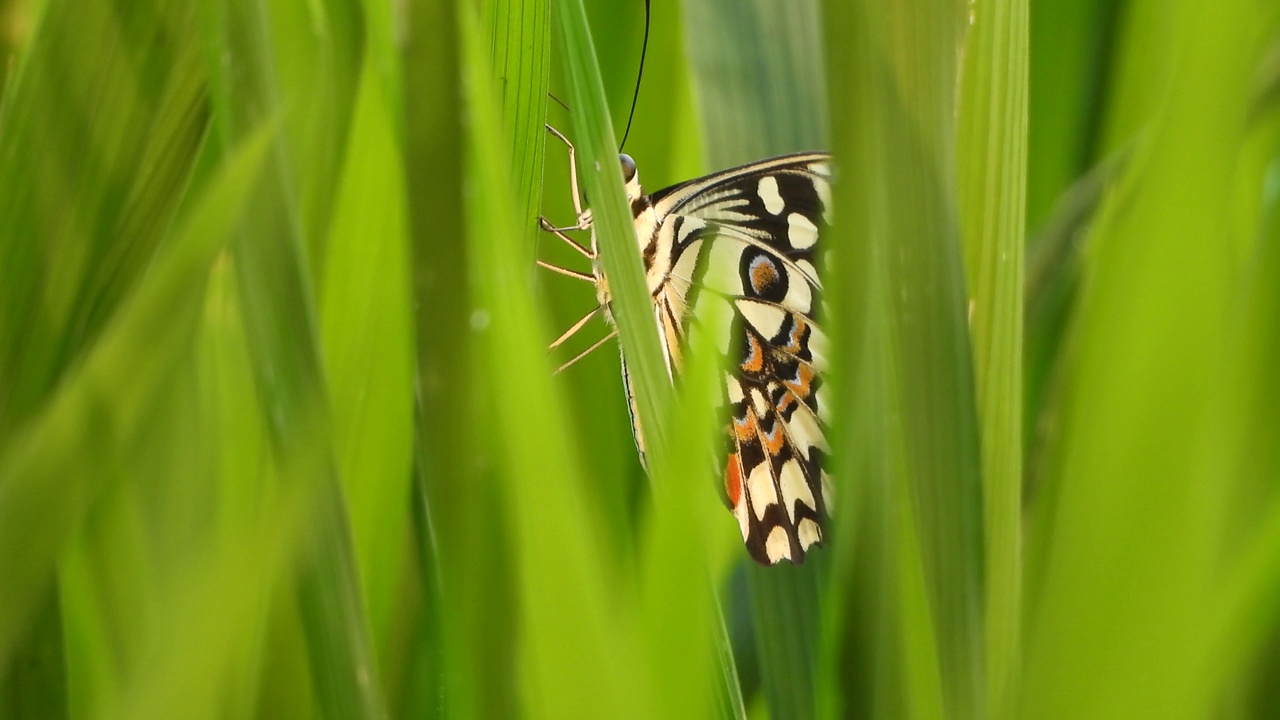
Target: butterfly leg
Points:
(559, 232)
(584, 217)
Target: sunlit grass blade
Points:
(1135, 529)
(99, 145)
(47, 478)
(601, 179)
(1245, 615)
(902, 329)
(276, 291)
(520, 53)
(1054, 257)
(368, 351)
(677, 611)
(86, 203)
(992, 166)
(685, 544)
(576, 651)
(192, 655)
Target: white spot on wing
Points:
(778, 546)
(824, 194)
(820, 397)
(759, 402)
(801, 232)
(760, 487)
(799, 293)
(808, 532)
(818, 348)
(682, 271)
(768, 191)
(794, 487)
(804, 430)
(734, 389)
(809, 271)
(740, 512)
(766, 319)
(689, 226)
(722, 267)
(714, 315)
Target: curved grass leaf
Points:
(276, 288)
(572, 660)
(47, 478)
(1136, 522)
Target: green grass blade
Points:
(1071, 47)
(930, 361)
(905, 346)
(449, 503)
(521, 54)
(280, 321)
(47, 481)
(87, 202)
(1241, 653)
(601, 179)
(1134, 531)
(993, 168)
(677, 608)
(576, 652)
(367, 341)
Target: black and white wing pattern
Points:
(749, 238)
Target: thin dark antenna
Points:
(644, 47)
(559, 102)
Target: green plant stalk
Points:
(601, 180)
(900, 328)
(448, 501)
(280, 324)
(576, 652)
(992, 166)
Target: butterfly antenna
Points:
(559, 102)
(644, 47)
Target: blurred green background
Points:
(280, 438)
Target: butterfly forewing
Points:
(749, 238)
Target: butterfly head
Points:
(630, 179)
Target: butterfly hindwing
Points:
(749, 237)
(742, 244)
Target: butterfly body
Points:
(746, 238)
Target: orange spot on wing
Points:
(733, 479)
(754, 362)
(788, 399)
(801, 382)
(798, 327)
(763, 275)
(774, 439)
(746, 427)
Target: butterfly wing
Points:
(748, 238)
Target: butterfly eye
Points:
(628, 167)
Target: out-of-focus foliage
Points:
(279, 436)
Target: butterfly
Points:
(747, 237)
